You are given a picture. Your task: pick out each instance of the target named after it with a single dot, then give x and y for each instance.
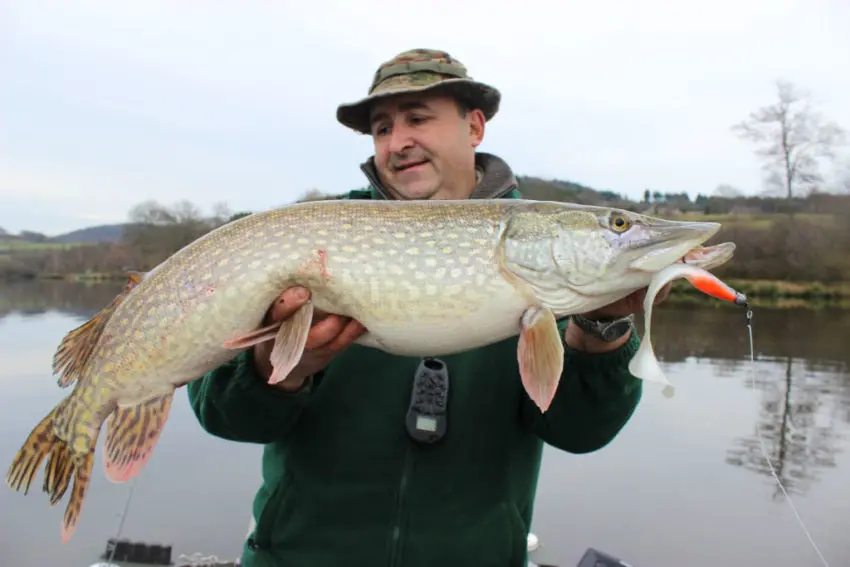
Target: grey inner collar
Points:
(495, 178)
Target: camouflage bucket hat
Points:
(420, 70)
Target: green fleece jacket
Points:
(343, 484)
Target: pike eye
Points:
(619, 223)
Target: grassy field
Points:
(11, 245)
(754, 220)
(15, 255)
(768, 293)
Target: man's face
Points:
(424, 148)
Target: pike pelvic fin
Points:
(289, 342)
(541, 356)
(62, 465)
(76, 347)
(289, 335)
(131, 435)
(252, 338)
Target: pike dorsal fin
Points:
(76, 347)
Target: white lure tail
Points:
(644, 364)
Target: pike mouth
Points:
(672, 241)
(709, 257)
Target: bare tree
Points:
(150, 212)
(727, 191)
(792, 137)
(798, 429)
(842, 178)
(156, 231)
(314, 194)
(221, 213)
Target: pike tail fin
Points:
(62, 465)
(131, 435)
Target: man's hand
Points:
(630, 304)
(633, 303)
(329, 335)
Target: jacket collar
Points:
(495, 178)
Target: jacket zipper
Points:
(400, 507)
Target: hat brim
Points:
(355, 115)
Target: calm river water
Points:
(684, 484)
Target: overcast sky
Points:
(106, 104)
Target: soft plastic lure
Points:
(644, 364)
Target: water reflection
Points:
(40, 296)
(797, 423)
(720, 334)
(803, 381)
(801, 408)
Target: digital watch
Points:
(608, 329)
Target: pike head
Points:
(576, 258)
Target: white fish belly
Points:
(490, 322)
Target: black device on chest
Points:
(426, 419)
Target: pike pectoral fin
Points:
(289, 342)
(61, 466)
(131, 434)
(540, 355)
(76, 347)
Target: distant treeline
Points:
(726, 199)
(800, 239)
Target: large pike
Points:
(424, 277)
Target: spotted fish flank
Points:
(426, 278)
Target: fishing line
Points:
(193, 560)
(121, 521)
(764, 451)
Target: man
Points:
(345, 481)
